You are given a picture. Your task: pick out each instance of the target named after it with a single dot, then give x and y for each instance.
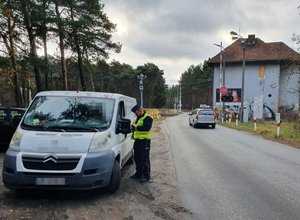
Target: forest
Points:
(81, 33)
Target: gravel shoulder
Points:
(157, 199)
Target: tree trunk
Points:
(80, 69)
(62, 49)
(45, 49)
(46, 61)
(33, 51)
(89, 69)
(79, 54)
(10, 46)
(102, 82)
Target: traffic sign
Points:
(223, 90)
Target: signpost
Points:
(223, 90)
(277, 118)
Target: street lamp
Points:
(221, 69)
(234, 37)
(222, 74)
(141, 77)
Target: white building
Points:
(270, 75)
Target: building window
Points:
(261, 72)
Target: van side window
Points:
(121, 110)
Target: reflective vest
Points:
(141, 134)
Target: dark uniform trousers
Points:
(141, 157)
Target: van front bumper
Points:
(95, 172)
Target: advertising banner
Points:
(234, 92)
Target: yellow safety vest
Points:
(141, 134)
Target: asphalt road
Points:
(226, 174)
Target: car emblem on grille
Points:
(50, 157)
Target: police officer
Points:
(142, 136)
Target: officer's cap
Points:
(135, 108)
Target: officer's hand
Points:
(133, 126)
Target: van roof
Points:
(85, 94)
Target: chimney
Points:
(251, 40)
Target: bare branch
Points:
(3, 51)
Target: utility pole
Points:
(141, 77)
(243, 81)
(179, 96)
(222, 74)
(243, 42)
(221, 71)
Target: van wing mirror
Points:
(123, 126)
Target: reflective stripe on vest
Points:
(142, 134)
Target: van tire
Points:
(115, 178)
(213, 126)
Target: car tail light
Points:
(197, 115)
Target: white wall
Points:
(269, 87)
(289, 87)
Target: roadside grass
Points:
(289, 131)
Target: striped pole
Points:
(237, 120)
(278, 128)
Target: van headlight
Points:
(16, 141)
(100, 142)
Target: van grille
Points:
(50, 163)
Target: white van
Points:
(71, 140)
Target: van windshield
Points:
(59, 113)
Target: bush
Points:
(290, 116)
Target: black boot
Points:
(135, 176)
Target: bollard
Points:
(278, 128)
(222, 118)
(254, 123)
(237, 120)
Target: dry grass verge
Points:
(289, 131)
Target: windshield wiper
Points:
(85, 129)
(32, 127)
(70, 128)
(43, 128)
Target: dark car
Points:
(9, 120)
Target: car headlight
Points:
(100, 141)
(16, 141)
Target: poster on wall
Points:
(234, 92)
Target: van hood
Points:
(49, 142)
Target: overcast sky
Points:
(175, 34)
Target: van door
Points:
(124, 139)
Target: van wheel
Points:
(195, 125)
(115, 178)
(131, 159)
(213, 126)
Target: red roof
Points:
(256, 51)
